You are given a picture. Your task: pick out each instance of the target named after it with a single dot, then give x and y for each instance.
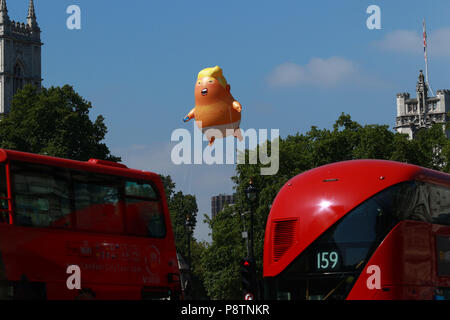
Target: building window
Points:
(18, 78)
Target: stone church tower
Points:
(421, 112)
(20, 55)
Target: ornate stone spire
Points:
(421, 85)
(3, 6)
(31, 18)
(3, 12)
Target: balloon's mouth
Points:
(204, 92)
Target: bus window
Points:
(144, 215)
(41, 196)
(440, 204)
(442, 294)
(97, 207)
(424, 202)
(141, 190)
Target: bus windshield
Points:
(328, 268)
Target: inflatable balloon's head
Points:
(211, 85)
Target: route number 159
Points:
(327, 260)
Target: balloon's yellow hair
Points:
(216, 73)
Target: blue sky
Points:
(291, 64)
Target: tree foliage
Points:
(182, 206)
(54, 122)
(221, 270)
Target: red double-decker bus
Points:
(363, 229)
(83, 230)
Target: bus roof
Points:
(93, 165)
(313, 201)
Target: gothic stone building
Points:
(20, 55)
(423, 111)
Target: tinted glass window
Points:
(144, 215)
(59, 198)
(425, 202)
(41, 196)
(440, 204)
(140, 189)
(145, 218)
(97, 203)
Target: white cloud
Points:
(439, 42)
(320, 72)
(411, 42)
(401, 41)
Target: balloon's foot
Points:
(237, 134)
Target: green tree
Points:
(181, 206)
(198, 270)
(54, 122)
(429, 144)
(169, 186)
(220, 259)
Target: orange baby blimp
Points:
(215, 107)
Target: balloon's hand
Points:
(189, 116)
(237, 106)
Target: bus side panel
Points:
(113, 267)
(388, 260)
(403, 263)
(404, 293)
(417, 254)
(93, 292)
(442, 281)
